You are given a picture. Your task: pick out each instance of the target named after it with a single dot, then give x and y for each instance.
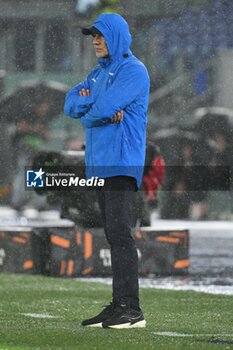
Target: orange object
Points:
(61, 242)
(87, 270)
(168, 239)
(87, 245)
(78, 238)
(28, 264)
(181, 235)
(19, 240)
(180, 264)
(62, 267)
(70, 268)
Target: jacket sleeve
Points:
(130, 83)
(76, 106)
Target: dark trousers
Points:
(116, 205)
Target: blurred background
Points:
(187, 46)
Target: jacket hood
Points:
(115, 30)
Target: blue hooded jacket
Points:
(118, 82)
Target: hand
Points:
(84, 92)
(117, 117)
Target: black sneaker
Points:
(103, 316)
(125, 317)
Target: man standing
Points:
(112, 105)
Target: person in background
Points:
(28, 139)
(223, 148)
(154, 174)
(182, 184)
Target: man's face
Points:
(100, 46)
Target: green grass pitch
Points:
(175, 320)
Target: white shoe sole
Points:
(140, 324)
(97, 325)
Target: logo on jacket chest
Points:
(110, 77)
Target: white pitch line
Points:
(39, 315)
(175, 334)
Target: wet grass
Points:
(197, 320)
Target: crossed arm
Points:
(116, 118)
(131, 83)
